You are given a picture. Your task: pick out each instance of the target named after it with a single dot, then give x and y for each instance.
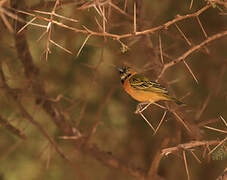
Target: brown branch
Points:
(167, 24)
(186, 165)
(183, 35)
(12, 128)
(99, 113)
(200, 24)
(108, 159)
(120, 10)
(223, 120)
(160, 48)
(85, 41)
(4, 19)
(191, 4)
(182, 122)
(127, 35)
(134, 19)
(57, 15)
(145, 119)
(204, 105)
(215, 129)
(223, 176)
(196, 158)
(52, 3)
(219, 144)
(190, 51)
(153, 170)
(191, 72)
(33, 75)
(189, 145)
(49, 30)
(12, 95)
(50, 106)
(160, 123)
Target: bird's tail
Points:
(176, 100)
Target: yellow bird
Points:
(142, 89)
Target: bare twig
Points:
(200, 24)
(119, 10)
(145, 119)
(160, 48)
(99, 113)
(11, 149)
(134, 18)
(108, 159)
(191, 4)
(85, 41)
(28, 23)
(14, 16)
(125, 4)
(66, 50)
(200, 112)
(215, 129)
(153, 170)
(182, 34)
(219, 144)
(223, 120)
(11, 95)
(162, 119)
(57, 15)
(189, 145)
(186, 164)
(11, 128)
(190, 51)
(182, 121)
(49, 29)
(32, 72)
(223, 176)
(159, 105)
(104, 21)
(191, 72)
(38, 86)
(4, 19)
(194, 155)
(115, 36)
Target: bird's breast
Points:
(141, 95)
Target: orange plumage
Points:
(142, 89)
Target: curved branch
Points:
(121, 36)
(190, 51)
(33, 75)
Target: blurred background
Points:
(83, 86)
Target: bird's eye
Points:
(123, 70)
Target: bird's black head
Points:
(125, 72)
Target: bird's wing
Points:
(140, 82)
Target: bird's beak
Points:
(119, 69)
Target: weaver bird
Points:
(142, 89)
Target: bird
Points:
(139, 87)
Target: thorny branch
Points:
(189, 145)
(116, 36)
(32, 73)
(4, 122)
(10, 93)
(190, 51)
